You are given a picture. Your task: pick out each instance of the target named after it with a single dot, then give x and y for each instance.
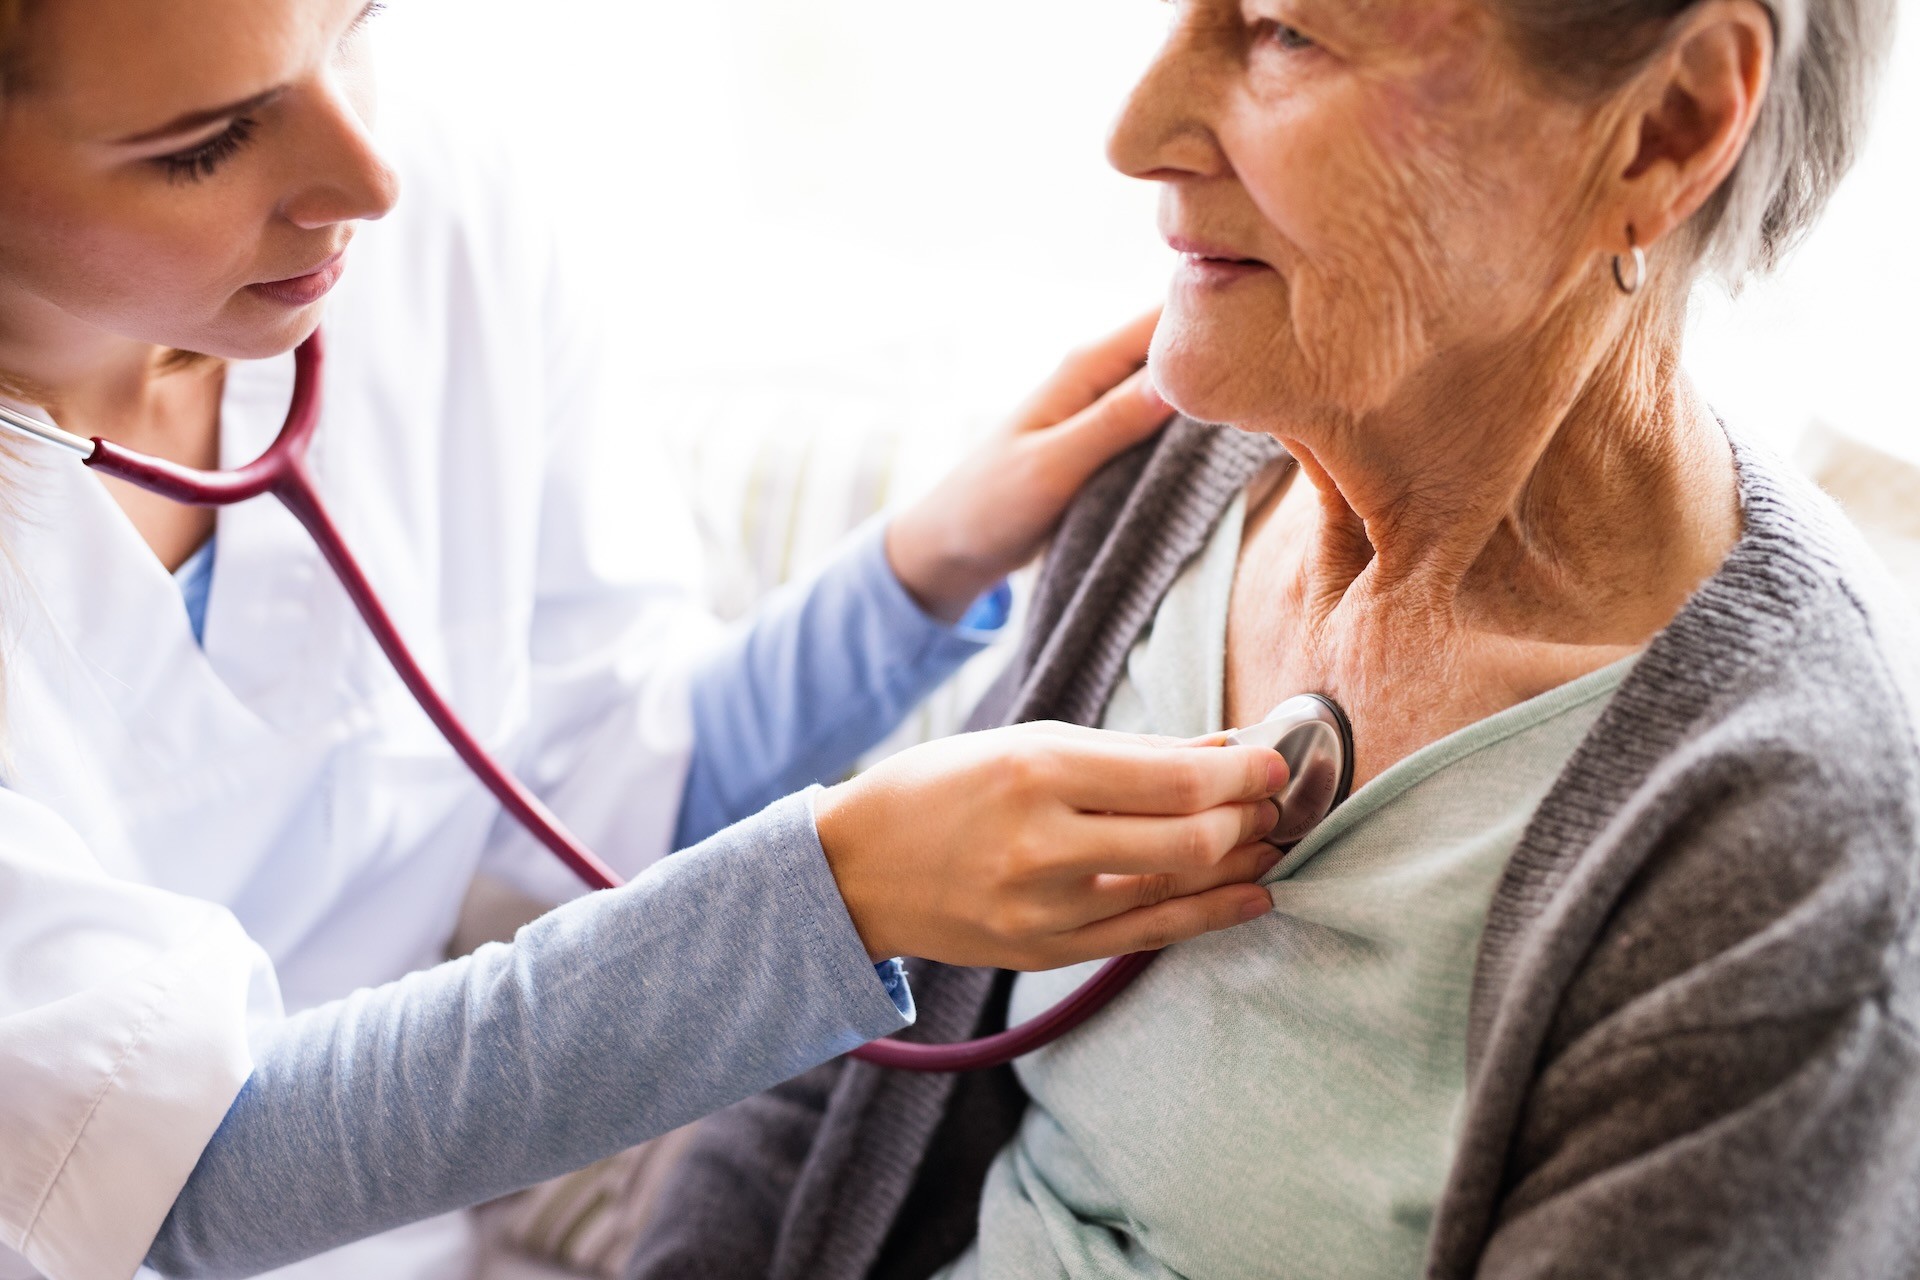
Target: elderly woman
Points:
(1610, 965)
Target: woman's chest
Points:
(1407, 676)
(1298, 1078)
(1410, 661)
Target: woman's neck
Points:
(1479, 545)
(1581, 509)
(98, 381)
(132, 393)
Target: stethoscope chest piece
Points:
(1310, 731)
(1312, 734)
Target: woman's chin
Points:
(1204, 380)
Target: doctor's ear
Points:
(1693, 107)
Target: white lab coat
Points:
(191, 837)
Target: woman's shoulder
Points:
(1804, 623)
(1759, 774)
(1760, 764)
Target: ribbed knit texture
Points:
(1084, 622)
(1692, 1045)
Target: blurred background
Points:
(895, 198)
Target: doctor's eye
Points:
(368, 14)
(203, 159)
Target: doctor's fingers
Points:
(1162, 925)
(1191, 846)
(1115, 423)
(1089, 372)
(1107, 896)
(1109, 774)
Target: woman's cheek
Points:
(1367, 280)
(162, 271)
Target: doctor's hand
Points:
(993, 513)
(1043, 845)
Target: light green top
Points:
(1280, 1099)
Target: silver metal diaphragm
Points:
(1312, 734)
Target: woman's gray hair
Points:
(1826, 62)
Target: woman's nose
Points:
(347, 178)
(1163, 132)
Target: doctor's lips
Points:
(305, 290)
(1214, 264)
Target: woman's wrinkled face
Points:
(186, 173)
(1360, 190)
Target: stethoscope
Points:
(1310, 731)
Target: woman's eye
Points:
(1285, 36)
(203, 160)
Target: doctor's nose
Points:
(348, 179)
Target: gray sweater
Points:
(1694, 1046)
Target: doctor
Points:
(231, 850)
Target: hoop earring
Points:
(1639, 271)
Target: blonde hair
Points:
(13, 20)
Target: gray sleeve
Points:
(731, 1202)
(1732, 1086)
(731, 1199)
(614, 1019)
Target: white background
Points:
(908, 197)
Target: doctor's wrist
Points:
(838, 823)
(935, 571)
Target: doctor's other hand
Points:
(1043, 845)
(994, 511)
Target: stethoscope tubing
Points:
(282, 471)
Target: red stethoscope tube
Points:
(283, 472)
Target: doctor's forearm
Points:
(823, 673)
(616, 1018)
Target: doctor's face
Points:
(185, 173)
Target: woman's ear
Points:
(1696, 103)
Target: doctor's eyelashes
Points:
(203, 159)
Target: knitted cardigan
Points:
(1693, 1045)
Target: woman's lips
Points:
(1218, 272)
(1212, 265)
(304, 291)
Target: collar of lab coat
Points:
(111, 634)
(276, 615)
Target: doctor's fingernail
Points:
(1254, 908)
(1267, 818)
(1268, 862)
(1277, 773)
